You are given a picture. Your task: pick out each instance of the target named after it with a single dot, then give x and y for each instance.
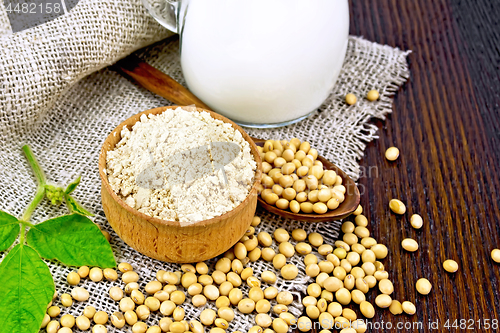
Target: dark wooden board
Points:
(446, 124)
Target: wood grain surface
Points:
(446, 124)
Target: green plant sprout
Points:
(25, 280)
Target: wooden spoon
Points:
(345, 209)
(157, 82)
(163, 85)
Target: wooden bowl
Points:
(168, 240)
(346, 208)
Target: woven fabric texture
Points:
(5, 28)
(38, 65)
(52, 97)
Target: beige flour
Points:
(173, 151)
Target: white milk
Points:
(264, 61)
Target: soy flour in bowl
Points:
(165, 166)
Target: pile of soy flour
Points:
(58, 95)
(182, 144)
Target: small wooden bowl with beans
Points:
(312, 190)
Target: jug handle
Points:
(166, 13)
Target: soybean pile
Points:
(341, 275)
(295, 179)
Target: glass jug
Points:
(261, 63)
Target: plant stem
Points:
(40, 194)
(21, 239)
(26, 224)
(40, 191)
(37, 170)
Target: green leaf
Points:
(75, 207)
(9, 230)
(27, 288)
(71, 186)
(72, 239)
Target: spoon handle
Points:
(157, 82)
